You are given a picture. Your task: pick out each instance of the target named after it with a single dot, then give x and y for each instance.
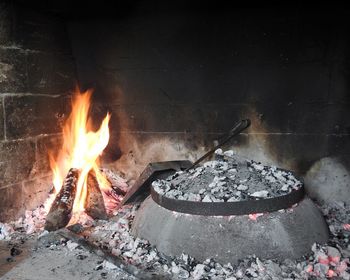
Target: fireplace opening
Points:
(175, 140)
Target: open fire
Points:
(79, 184)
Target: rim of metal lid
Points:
(229, 208)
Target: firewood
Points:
(94, 203)
(119, 185)
(61, 209)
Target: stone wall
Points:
(175, 79)
(36, 74)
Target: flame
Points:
(81, 148)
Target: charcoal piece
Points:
(94, 203)
(76, 228)
(15, 251)
(61, 209)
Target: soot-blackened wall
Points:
(175, 79)
(37, 72)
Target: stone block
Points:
(6, 23)
(15, 199)
(45, 145)
(50, 73)
(40, 31)
(11, 202)
(36, 191)
(328, 180)
(16, 161)
(30, 115)
(13, 75)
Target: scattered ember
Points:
(255, 216)
(329, 260)
(346, 226)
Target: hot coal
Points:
(229, 178)
(324, 260)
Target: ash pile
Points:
(140, 258)
(228, 178)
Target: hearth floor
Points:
(37, 254)
(41, 260)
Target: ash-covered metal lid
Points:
(228, 185)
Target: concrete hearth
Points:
(288, 234)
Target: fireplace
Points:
(168, 81)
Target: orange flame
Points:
(81, 148)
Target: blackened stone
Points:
(33, 115)
(16, 198)
(11, 202)
(40, 31)
(13, 75)
(6, 23)
(46, 144)
(17, 158)
(50, 73)
(35, 191)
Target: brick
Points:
(13, 71)
(34, 115)
(16, 161)
(50, 73)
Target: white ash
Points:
(5, 231)
(228, 178)
(326, 260)
(331, 259)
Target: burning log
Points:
(94, 203)
(119, 185)
(61, 209)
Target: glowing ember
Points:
(81, 149)
(255, 216)
(346, 226)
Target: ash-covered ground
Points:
(329, 260)
(56, 257)
(228, 178)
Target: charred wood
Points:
(94, 203)
(61, 209)
(118, 184)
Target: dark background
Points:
(192, 69)
(175, 75)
